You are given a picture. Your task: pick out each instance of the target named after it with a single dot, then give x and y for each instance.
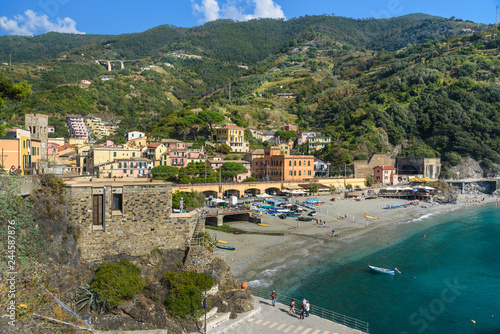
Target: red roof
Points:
(154, 145)
(65, 146)
(231, 127)
(386, 167)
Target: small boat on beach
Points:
(225, 247)
(305, 219)
(260, 224)
(381, 270)
(372, 217)
(221, 242)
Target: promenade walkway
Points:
(276, 319)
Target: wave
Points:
(258, 283)
(423, 217)
(271, 272)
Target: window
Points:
(309, 173)
(114, 154)
(119, 165)
(300, 162)
(299, 173)
(97, 210)
(133, 154)
(309, 163)
(84, 160)
(295, 162)
(289, 173)
(118, 202)
(289, 162)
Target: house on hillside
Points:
(385, 175)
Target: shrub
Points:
(186, 288)
(184, 303)
(116, 281)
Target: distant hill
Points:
(436, 95)
(240, 42)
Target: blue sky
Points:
(33, 17)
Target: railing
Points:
(315, 310)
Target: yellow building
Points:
(99, 155)
(15, 151)
(284, 149)
(233, 136)
(155, 152)
(96, 127)
(138, 142)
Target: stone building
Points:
(426, 167)
(131, 217)
(38, 126)
(364, 168)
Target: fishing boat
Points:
(221, 242)
(381, 270)
(372, 217)
(225, 247)
(260, 224)
(305, 219)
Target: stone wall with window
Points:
(129, 217)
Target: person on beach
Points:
(292, 307)
(302, 310)
(273, 297)
(308, 307)
(333, 233)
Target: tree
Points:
(348, 186)
(197, 172)
(369, 181)
(211, 117)
(164, 173)
(313, 187)
(229, 170)
(332, 188)
(286, 134)
(224, 148)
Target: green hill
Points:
(435, 95)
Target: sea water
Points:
(449, 281)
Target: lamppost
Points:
(204, 302)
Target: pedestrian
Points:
(273, 297)
(304, 301)
(292, 307)
(302, 310)
(333, 233)
(308, 307)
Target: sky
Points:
(34, 17)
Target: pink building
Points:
(52, 149)
(77, 127)
(173, 144)
(385, 175)
(291, 127)
(304, 136)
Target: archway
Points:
(408, 170)
(252, 192)
(209, 193)
(231, 192)
(273, 191)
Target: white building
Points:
(135, 135)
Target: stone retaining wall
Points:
(144, 222)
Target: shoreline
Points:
(258, 256)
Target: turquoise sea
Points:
(449, 278)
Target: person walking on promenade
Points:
(308, 307)
(273, 298)
(292, 307)
(302, 310)
(304, 301)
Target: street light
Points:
(204, 303)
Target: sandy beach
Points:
(256, 253)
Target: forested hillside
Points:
(436, 95)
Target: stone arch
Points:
(231, 192)
(252, 191)
(209, 193)
(408, 170)
(273, 191)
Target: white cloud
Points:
(210, 10)
(266, 8)
(31, 23)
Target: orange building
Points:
(274, 166)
